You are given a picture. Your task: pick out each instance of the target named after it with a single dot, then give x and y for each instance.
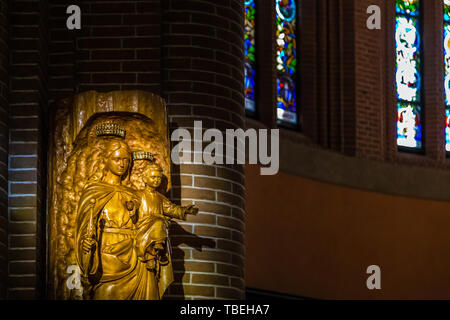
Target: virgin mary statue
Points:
(105, 226)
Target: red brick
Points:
(112, 54)
(22, 294)
(212, 207)
(210, 279)
(22, 241)
(212, 255)
(212, 183)
(229, 293)
(22, 188)
(23, 214)
(114, 77)
(212, 232)
(113, 7)
(22, 267)
(192, 290)
(147, 42)
(141, 66)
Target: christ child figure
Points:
(155, 212)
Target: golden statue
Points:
(106, 218)
(155, 211)
(104, 235)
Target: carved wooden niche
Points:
(74, 149)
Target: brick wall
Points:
(191, 52)
(117, 48)
(4, 90)
(327, 73)
(347, 77)
(28, 104)
(434, 112)
(62, 53)
(369, 83)
(120, 47)
(374, 88)
(203, 80)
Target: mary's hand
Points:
(88, 244)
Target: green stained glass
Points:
(407, 7)
(446, 10)
(286, 61)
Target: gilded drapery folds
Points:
(78, 194)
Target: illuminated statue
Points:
(105, 229)
(95, 193)
(152, 223)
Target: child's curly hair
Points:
(138, 171)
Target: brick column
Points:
(203, 80)
(119, 46)
(28, 105)
(4, 90)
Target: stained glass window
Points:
(250, 59)
(408, 74)
(286, 64)
(447, 72)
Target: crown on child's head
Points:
(143, 155)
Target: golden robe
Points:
(115, 271)
(152, 227)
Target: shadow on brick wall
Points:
(179, 236)
(187, 239)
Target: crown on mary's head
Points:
(109, 129)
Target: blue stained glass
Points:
(447, 63)
(250, 87)
(250, 55)
(409, 128)
(408, 76)
(286, 99)
(286, 61)
(446, 44)
(447, 15)
(447, 129)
